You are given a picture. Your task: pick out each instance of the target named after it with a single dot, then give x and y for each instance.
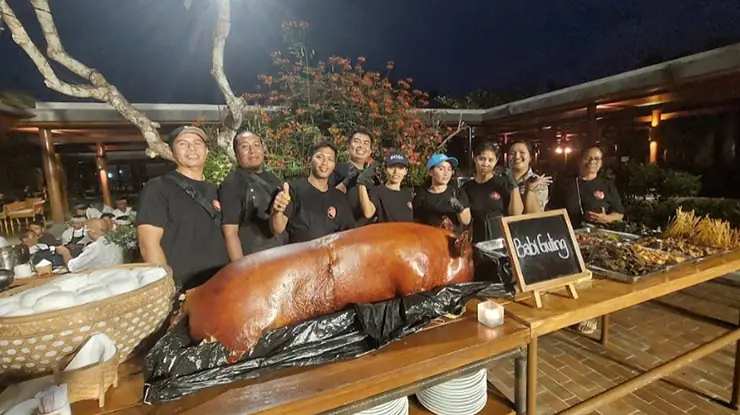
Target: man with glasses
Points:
(246, 196)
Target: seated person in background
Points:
(87, 210)
(122, 208)
(100, 253)
(40, 251)
(44, 237)
(75, 234)
(108, 218)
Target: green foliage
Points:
(655, 214)
(217, 166)
(638, 180)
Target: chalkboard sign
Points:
(543, 250)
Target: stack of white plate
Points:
(397, 407)
(466, 395)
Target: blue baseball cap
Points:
(438, 159)
(395, 159)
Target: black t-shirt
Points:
(579, 196)
(192, 242)
(488, 202)
(392, 205)
(341, 171)
(431, 208)
(312, 213)
(246, 202)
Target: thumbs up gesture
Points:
(282, 199)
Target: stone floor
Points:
(573, 367)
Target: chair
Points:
(38, 209)
(15, 212)
(4, 222)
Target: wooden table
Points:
(404, 367)
(600, 297)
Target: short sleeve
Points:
(153, 205)
(615, 201)
(230, 195)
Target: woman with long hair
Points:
(534, 188)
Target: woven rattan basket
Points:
(89, 382)
(35, 344)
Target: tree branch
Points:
(235, 104)
(460, 126)
(99, 88)
(105, 91)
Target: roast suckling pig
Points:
(294, 283)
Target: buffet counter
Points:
(431, 356)
(598, 298)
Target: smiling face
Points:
(441, 173)
(359, 147)
(396, 173)
(250, 151)
(323, 162)
(189, 150)
(485, 162)
(591, 161)
(519, 156)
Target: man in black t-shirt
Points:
(310, 208)
(246, 195)
(179, 219)
(345, 174)
(387, 203)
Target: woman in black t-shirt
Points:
(589, 197)
(389, 202)
(441, 200)
(491, 197)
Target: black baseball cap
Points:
(395, 158)
(184, 130)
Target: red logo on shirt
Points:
(332, 212)
(217, 205)
(409, 205)
(599, 195)
(495, 196)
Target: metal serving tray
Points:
(626, 237)
(631, 279)
(692, 258)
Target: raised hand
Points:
(366, 178)
(282, 199)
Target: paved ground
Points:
(573, 367)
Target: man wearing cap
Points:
(75, 234)
(246, 196)
(310, 208)
(387, 203)
(344, 177)
(442, 200)
(122, 208)
(179, 218)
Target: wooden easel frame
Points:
(541, 287)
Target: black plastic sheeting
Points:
(174, 368)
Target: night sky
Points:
(157, 51)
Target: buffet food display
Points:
(630, 257)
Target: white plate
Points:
(394, 407)
(445, 408)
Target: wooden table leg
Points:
(604, 330)
(520, 385)
(532, 377)
(735, 399)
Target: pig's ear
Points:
(447, 225)
(461, 245)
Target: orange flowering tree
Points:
(306, 101)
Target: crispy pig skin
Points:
(294, 283)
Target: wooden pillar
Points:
(102, 166)
(51, 174)
(654, 127)
(593, 128)
(62, 182)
